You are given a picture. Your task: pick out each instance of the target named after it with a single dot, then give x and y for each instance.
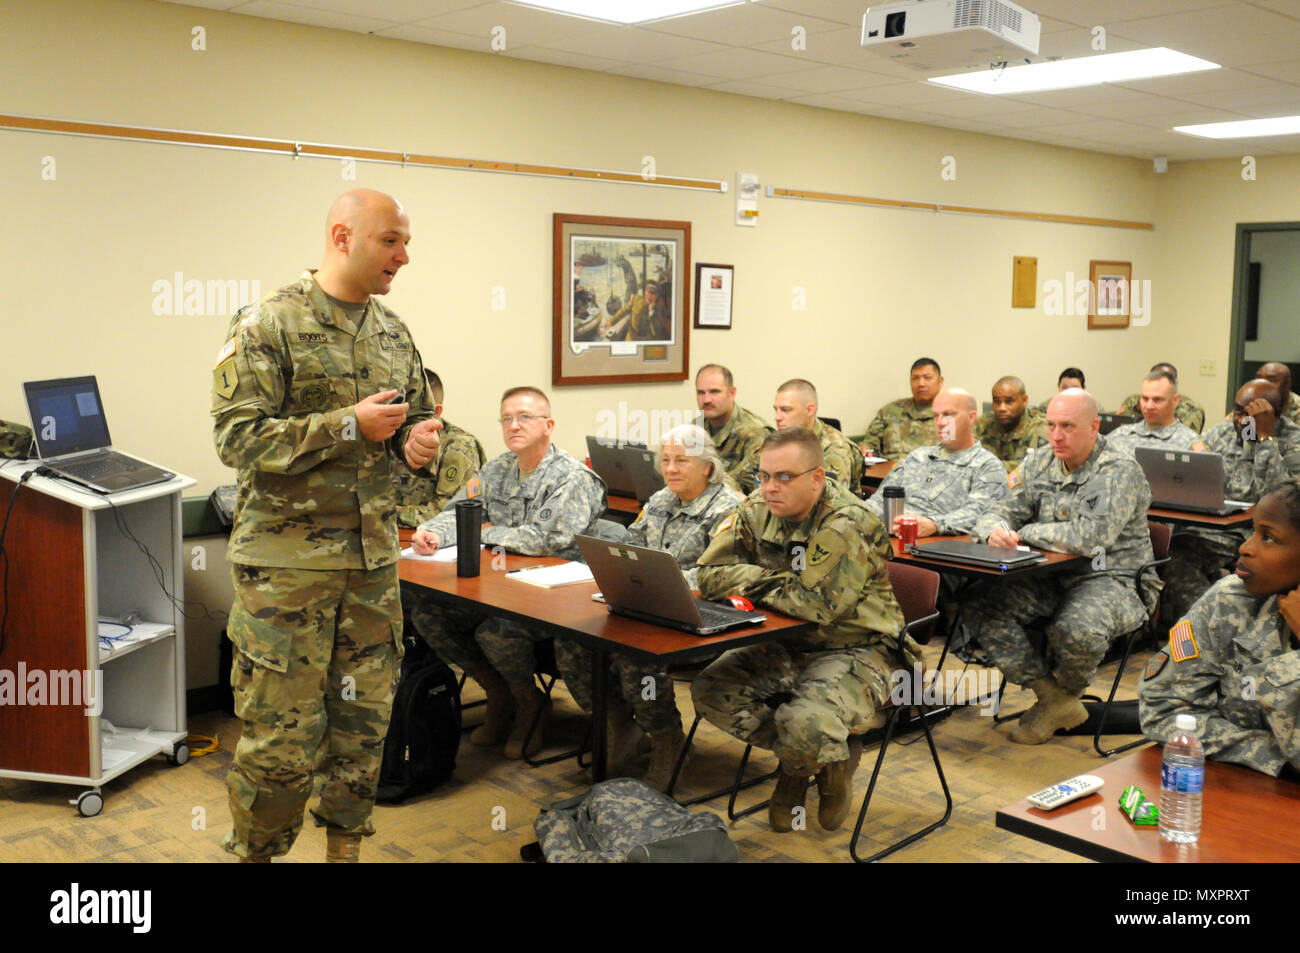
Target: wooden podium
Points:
(76, 708)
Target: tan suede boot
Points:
(529, 702)
(342, 847)
(665, 746)
(835, 786)
(500, 711)
(1054, 710)
(791, 790)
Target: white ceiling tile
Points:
(745, 25)
(1229, 36)
(660, 74)
(735, 63)
(760, 90)
(1289, 108)
(1078, 41)
(1094, 12)
(848, 12)
(540, 54)
(1287, 71)
(524, 26)
(1238, 99)
(1290, 8)
(631, 44)
(338, 21)
(825, 79)
(397, 11)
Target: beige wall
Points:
(882, 286)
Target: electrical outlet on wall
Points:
(1208, 369)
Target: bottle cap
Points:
(1185, 722)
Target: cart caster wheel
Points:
(89, 803)
(180, 753)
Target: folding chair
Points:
(917, 591)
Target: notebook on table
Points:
(71, 436)
(1187, 480)
(647, 584)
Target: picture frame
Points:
(620, 294)
(1110, 283)
(714, 285)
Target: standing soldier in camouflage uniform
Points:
(15, 440)
(1014, 428)
(536, 498)
(419, 498)
(1279, 375)
(1084, 498)
(1158, 427)
(908, 423)
(810, 549)
(1188, 411)
(1260, 451)
(1236, 657)
(735, 431)
(795, 405)
(946, 487)
(301, 397)
(681, 519)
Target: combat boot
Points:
(622, 738)
(665, 747)
(529, 703)
(791, 790)
(500, 709)
(835, 787)
(342, 847)
(1055, 709)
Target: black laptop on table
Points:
(71, 436)
(977, 554)
(647, 584)
(627, 469)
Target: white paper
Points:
(445, 554)
(547, 576)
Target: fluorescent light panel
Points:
(1083, 71)
(1244, 128)
(628, 11)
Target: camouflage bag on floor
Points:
(625, 821)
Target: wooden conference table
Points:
(570, 612)
(1246, 816)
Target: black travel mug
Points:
(469, 533)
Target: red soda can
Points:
(907, 530)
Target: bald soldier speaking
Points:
(303, 401)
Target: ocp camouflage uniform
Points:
(420, 498)
(1011, 446)
(737, 441)
(15, 440)
(901, 427)
(1097, 511)
(316, 620)
(1239, 676)
(1188, 411)
(804, 696)
(683, 529)
(951, 488)
(1200, 554)
(1172, 436)
(841, 456)
(536, 514)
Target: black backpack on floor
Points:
(424, 731)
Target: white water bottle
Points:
(1181, 780)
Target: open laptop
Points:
(71, 436)
(1110, 422)
(627, 469)
(977, 554)
(1187, 480)
(647, 584)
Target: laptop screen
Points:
(67, 416)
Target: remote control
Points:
(1049, 799)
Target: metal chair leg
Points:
(1110, 699)
(730, 789)
(871, 786)
(740, 784)
(584, 746)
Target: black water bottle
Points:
(469, 533)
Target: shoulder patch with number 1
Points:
(725, 524)
(225, 378)
(1182, 643)
(473, 488)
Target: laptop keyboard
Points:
(715, 614)
(98, 467)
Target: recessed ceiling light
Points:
(1083, 71)
(628, 11)
(1244, 128)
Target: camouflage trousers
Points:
(801, 705)
(1197, 560)
(654, 707)
(1083, 616)
(315, 666)
(471, 637)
